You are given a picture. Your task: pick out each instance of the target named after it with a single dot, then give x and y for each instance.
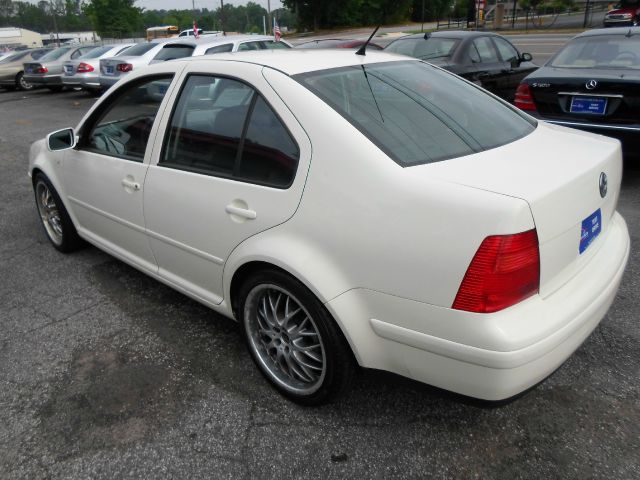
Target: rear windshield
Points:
(600, 51)
(171, 52)
(55, 54)
(96, 52)
(416, 113)
(139, 49)
(15, 56)
(434, 47)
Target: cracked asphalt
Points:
(106, 373)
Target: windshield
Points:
(600, 51)
(139, 49)
(55, 54)
(96, 52)
(433, 47)
(416, 113)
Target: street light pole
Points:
(269, 17)
(55, 23)
(422, 29)
(222, 16)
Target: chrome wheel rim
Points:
(285, 339)
(24, 84)
(49, 213)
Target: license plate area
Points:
(109, 70)
(588, 105)
(68, 69)
(591, 228)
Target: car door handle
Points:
(241, 212)
(133, 185)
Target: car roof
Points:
(207, 39)
(631, 31)
(451, 34)
(292, 61)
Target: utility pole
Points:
(422, 29)
(586, 15)
(269, 17)
(222, 16)
(55, 23)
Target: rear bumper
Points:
(493, 356)
(106, 82)
(48, 80)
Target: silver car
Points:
(47, 71)
(12, 71)
(114, 68)
(84, 72)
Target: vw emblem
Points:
(591, 84)
(603, 184)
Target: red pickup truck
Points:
(624, 14)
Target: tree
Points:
(114, 18)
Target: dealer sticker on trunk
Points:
(591, 227)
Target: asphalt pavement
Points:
(106, 373)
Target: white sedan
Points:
(349, 210)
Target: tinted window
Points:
(55, 54)
(434, 47)
(485, 49)
(171, 52)
(39, 53)
(415, 113)
(227, 47)
(82, 51)
(249, 46)
(15, 56)
(122, 128)
(223, 127)
(140, 49)
(600, 51)
(273, 45)
(507, 51)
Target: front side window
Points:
(507, 51)
(122, 128)
(486, 50)
(415, 113)
(249, 46)
(223, 127)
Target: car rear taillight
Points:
(524, 99)
(504, 271)
(124, 67)
(84, 68)
(42, 70)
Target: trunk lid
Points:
(602, 96)
(32, 68)
(557, 171)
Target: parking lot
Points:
(107, 373)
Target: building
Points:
(15, 37)
(70, 37)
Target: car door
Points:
(487, 65)
(104, 175)
(232, 164)
(513, 69)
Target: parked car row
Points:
(97, 67)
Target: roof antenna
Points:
(363, 48)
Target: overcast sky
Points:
(210, 4)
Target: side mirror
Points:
(61, 140)
(526, 57)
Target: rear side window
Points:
(273, 45)
(223, 127)
(171, 52)
(416, 113)
(486, 50)
(227, 47)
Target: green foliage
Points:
(316, 14)
(114, 18)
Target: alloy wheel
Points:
(285, 339)
(49, 213)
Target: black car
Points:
(592, 83)
(487, 59)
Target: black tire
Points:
(55, 88)
(21, 83)
(54, 217)
(330, 359)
